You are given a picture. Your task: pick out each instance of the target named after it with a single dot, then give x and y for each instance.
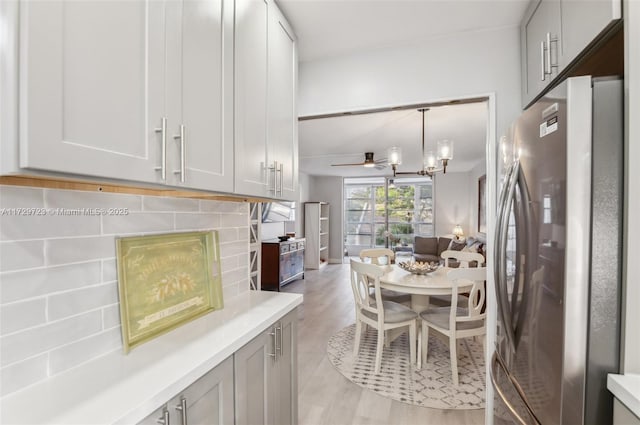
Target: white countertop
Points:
(626, 388)
(119, 388)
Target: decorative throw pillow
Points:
(471, 248)
(456, 245)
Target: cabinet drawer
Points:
(284, 248)
(300, 245)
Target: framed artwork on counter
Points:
(482, 204)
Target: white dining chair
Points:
(374, 255)
(462, 258)
(380, 315)
(457, 322)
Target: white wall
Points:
(452, 193)
(58, 282)
(329, 189)
(444, 68)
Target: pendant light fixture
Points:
(443, 154)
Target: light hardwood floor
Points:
(324, 395)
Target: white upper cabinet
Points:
(252, 175)
(91, 88)
(138, 90)
(583, 20)
(541, 48)
(201, 133)
(283, 123)
(557, 32)
(266, 142)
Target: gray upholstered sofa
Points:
(430, 248)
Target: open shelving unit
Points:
(316, 226)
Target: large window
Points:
(381, 212)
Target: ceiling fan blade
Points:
(380, 166)
(346, 165)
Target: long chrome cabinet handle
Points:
(279, 331)
(281, 178)
(182, 408)
(275, 344)
(181, 136)
(164, 420)
(543, 73)
(548, 70)
(274, 169)
(163, 135)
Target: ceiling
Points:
(345, 139)
(330, 28)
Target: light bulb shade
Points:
(445, 149)
(457, 231)
(394, 155)
(430, 160)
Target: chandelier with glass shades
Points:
(443, 154)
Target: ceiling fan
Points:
(369, 162)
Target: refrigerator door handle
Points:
(496, 245)
(525, 208)
(500, 257)
(497, 361)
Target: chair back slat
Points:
(362, 276)
(374, 254)
(464, 258)
(477, 295)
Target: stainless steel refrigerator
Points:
(558, 257)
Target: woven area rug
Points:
(429, 387)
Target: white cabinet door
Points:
(91, 89)
(209, 400)
(287, 376)
(204, 96)
(254, 366)
(540, 63)
(251, 169)
(583, 21)
(283, 123)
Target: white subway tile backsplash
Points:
(197, 221)
(21, 255)
(49, 225)
(71, 199)
(229, 263)
(21, 345)
(234, 276)
(234, 220)
(81, 300)
(21, 197)
(109, 270)
(22, 315)
(20, 375)
(111, 316)
(157, 203)
(74, 250)
(31, 283)
(58, 273)
(228, 235)
(233, 248)
(71, 355)
(137, 223)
